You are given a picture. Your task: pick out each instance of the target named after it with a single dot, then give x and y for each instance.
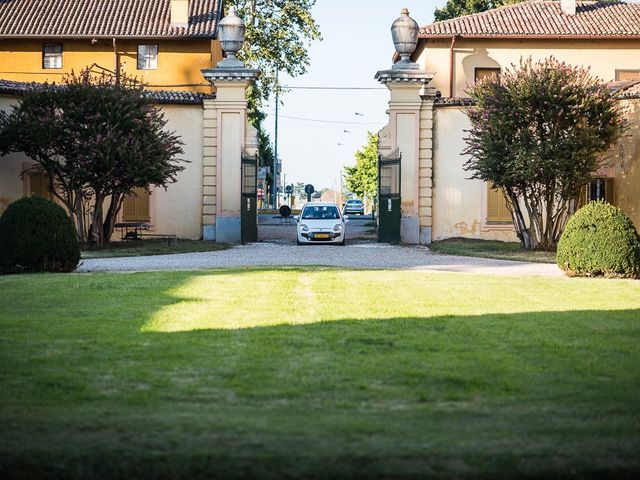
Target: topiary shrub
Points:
(37, 235)
(600, 240)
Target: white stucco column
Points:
(227, 134)
(408, 117)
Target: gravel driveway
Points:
(362, 255)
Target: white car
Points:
(321, 222)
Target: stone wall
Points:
(209, 170)
(425, 180)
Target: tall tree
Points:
(458, 8)
(362, 178)
(538, 132)
(98, 138)
(277, 39)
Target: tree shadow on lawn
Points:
(91, 391)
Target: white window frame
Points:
(147, 56)
(52, 59)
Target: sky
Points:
(356, 44)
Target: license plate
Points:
(321, 235)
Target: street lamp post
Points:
(275, 159)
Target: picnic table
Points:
(134, 231)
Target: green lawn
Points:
(138, 248)
(318, 373)
(491, 249)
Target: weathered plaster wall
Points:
(178, 210)
(11, 166)
(627, 164)
(603, 56)
(459, 204)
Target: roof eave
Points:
(109, 37)
(449, 36)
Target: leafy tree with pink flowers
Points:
(538, 133)
(98, 138)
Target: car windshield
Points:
(325, 212)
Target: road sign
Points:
(308, 189)
(289, 189)
(261, 193)
(262, 172)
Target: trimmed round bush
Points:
(37, 235)
(600, 240)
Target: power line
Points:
(319, 120)
(293, 87)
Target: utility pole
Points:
(275, 159)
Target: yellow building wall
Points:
(459, 205)
(11, 167)
(603, 57)
(626, 160)
(176, 210)
(179, 61)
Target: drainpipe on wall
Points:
(451, 80)
(116, 60)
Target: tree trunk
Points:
(522, 231)
(96, 232)
(79, 213)
(112, 215)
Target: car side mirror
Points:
(346, 218)
(296, 217)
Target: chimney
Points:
(179, 13)
(568, 7)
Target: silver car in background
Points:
(354, 207)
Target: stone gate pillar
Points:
(410, 131)
(226, 134)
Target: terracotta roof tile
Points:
(543, 18)
(626, 88)
(104, 18)
(17, 89)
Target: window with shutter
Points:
(482, 73)
(601, 189)
(135, 207)
(52, 55)
(597, 189)
(497, 210)
(39, 184)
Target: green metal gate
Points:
(389, 198)
(248, 208)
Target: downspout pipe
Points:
(451, 79)
(117, 60)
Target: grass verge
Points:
(491, 249)
(139, 248)
(318, 373)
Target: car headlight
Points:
(337, 228)
(304, 228)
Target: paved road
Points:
(273, 227)
(356, 255)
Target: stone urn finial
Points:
(231, 35)
(404, 32)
